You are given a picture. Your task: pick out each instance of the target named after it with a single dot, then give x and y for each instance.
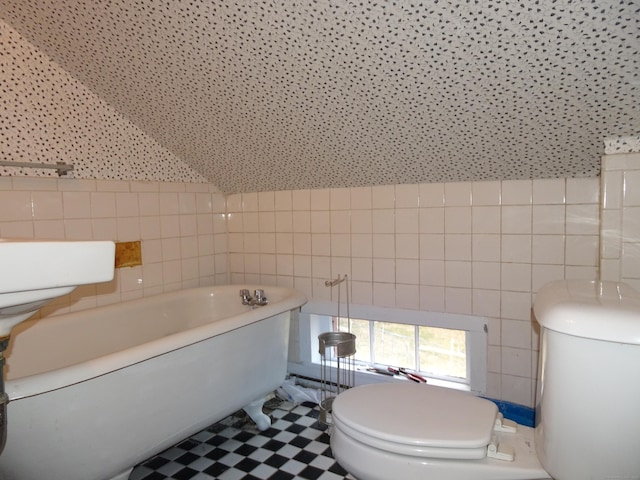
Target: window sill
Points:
(364, 377)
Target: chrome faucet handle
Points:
(260, 299)
(246, 296)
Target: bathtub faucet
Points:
(258, 299)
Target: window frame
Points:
(316, 317)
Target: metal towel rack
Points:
(60, 167)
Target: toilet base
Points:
(368, 463)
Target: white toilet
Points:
(587, 406)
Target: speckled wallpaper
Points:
(264, 95)
(47, 116)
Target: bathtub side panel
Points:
(99, 428)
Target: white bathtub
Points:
(95, 392)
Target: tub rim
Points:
(41, 383)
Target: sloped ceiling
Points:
(270, 95)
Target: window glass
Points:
(394, 344)
(443, 352)
(440, 352)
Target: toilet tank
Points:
(588, 396)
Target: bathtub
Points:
(96, 392)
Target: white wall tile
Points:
(383, 221)
(486, 303)
(516, 248)
(543, 274)
(362, 293)
(384, 245)
(168, 203)
(458, 300)
(548, 191)
(16, 206)
(457, 247)
(457, 194)
(383, 196)
(340, 245)
(548, 249)
(486, 275)
(548, 219)
(321, 244)
(362, 269)
(486, 193)
(283, 201)
(250, 202)
(431, 220)
(517, 192)
(77, 204)
(457, 220)
(340, 199)
(407, 220)
(631, 224)
(321, 267)
(384, 294)
(301, 200)
(321, 199)
(361, 221)
(431, 247)
(301, 221)
(361, 198)
(431, 194)
(362, 245)
(284, 243)
(457, 274)
(582, 219)
(266, 201)
(583, 190)
(582, 250)
(516, 277)
(407, 272)
(320, 221)
(486, 219)
(432, 272)
(283, 221)
(516, 306)
(267, 221)
(612, 189)
(407, 196)
(486, 248)
(516, 219)
(432, 298)
(407, 246)
(407, 296)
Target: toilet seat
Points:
(417, 420)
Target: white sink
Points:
(32, 272)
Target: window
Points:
(439, 352)
(448, 349)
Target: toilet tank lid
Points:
(607, 311)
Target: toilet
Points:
(587, 406)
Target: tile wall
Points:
(181, 226)
(620, 227)
(481, 248)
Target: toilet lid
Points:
(416, 419)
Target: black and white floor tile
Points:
(295, 447)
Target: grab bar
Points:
(60, 167)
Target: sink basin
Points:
(32, 272)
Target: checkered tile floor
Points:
(295, 447)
